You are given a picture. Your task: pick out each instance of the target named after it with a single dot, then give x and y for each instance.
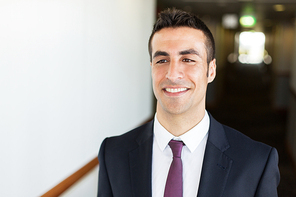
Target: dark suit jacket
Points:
(233, 166)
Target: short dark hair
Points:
(173, 17)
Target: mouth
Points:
(175, 90)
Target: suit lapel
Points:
(215, 170)
(141, 161)
(216, 165)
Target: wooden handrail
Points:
(68, 182)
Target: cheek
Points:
(197, 76)
(157, 75)
(155, 83)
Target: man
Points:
(212, 160)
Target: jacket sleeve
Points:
(270, 177)
(104, 187)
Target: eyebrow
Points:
(189, 51)
(185, 52)
(160, 53)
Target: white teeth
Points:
(174, 90)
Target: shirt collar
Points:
(191, 138)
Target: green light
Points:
(247, 21)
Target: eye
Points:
(188, 60)
(161, 61)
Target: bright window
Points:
(251, 47)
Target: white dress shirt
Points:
(192, 156)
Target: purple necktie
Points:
(174, 183)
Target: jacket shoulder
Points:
(253, 161)
(132, 137)
(244, 143)
(248, 154)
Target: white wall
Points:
(71, 73)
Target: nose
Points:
(175, 71)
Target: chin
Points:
(177, 110)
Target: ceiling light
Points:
(247, 21)
(230, 21)
(279, 7)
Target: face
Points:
(179, 70)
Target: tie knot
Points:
(176, 147)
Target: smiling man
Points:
(184, 151)
(180, 74)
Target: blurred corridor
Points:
(246, 106)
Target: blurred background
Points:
(74, 72)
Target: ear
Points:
(212, 71)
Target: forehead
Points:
(178, 38)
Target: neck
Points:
(178, 124)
